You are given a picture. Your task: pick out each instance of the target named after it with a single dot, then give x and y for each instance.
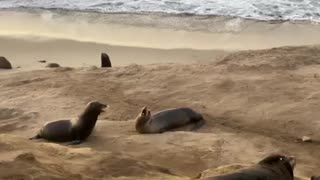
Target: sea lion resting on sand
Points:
(273, 167)
(105, 60)
(75, 130)
(166, 120)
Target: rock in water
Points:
(105, 60)
(53, 65)
(4, 63)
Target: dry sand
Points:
(255, 103)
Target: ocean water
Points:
(286, 10)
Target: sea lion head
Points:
(96, 107)
(315, 178)
(145, 113)
(142, 118)
(285, 163)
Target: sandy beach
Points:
(256, 96)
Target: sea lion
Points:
(105, 60)
(53, 65)
(273, 167)
(4, 63)
(315, 178)
(166, 120)
(75, 130)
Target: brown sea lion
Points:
(315, 178)
(75, 130)
(273, 167)
(167, 120)
(105, 60)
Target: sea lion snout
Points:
(145, 112)
(97, 106)
(103, 107)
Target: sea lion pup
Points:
(75, 130)
(166, 120)
(273, 167)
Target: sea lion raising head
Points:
(273, 167)
(75, 130)
(166, 120)
(285, 163)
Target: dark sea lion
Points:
(75, 130)
(315, 178)
(4, 63)
(166, 120)
(53, 65)
(273, 167)
(105, 60)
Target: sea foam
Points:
(292, 10)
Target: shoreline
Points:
(146, 13)
(158, 31)
(77, 39)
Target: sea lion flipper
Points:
(315, 177)
(75, 142)
(198, 124)
(35, 137)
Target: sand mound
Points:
(8, 113)
(281, 58)
(222, 170)
(25, 160)
(250, 112)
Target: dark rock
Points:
(4, 63)
(105, 60)
(52, 65)
(42, 61)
